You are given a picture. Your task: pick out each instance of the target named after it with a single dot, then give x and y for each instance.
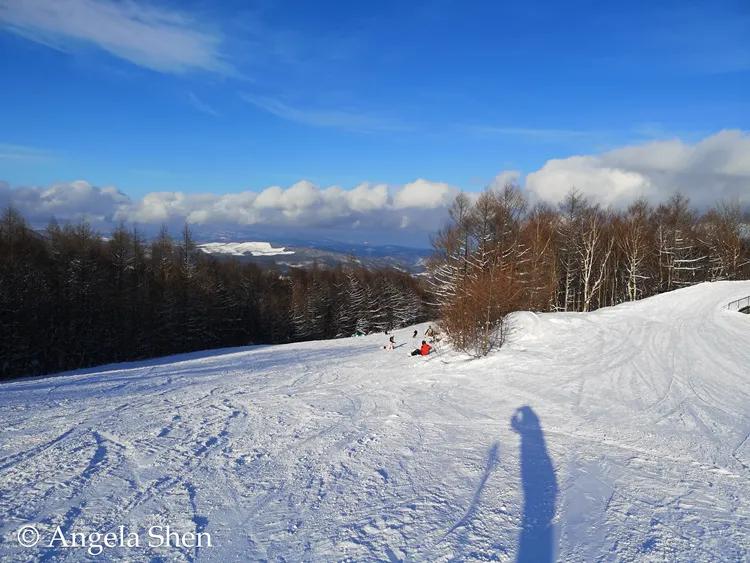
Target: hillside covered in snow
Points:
(243, 248)
(615, 435)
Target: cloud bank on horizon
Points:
(712, 169)
(416, 207)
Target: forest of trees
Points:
(497, 255)
(70, 298)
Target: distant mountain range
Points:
(327, 253)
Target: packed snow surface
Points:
(615, 435)
(243, 248)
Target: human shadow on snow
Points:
(536, 542)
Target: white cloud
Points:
(591, 177)
(366, 197)
(504, 178)
(71, 201)
(421, 205)
(715, 168)
(300, 197)
(718, 167)
(156, 207)
(157, 38)
(423, 194)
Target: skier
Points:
(423, 350)
(415, 334)
(391, 343)
(430, 331)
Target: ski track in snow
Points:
(631, 443)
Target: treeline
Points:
(344, 302)
(70, 298)
(497, 255)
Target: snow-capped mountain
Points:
(302, 253)
(243, 249)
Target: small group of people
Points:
(429, 333)
(423, 350)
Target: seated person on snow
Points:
(423, 350)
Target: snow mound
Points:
(243, 248)
(620, 434)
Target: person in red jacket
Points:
(423, 350)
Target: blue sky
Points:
(233, 96)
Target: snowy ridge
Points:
(617, 435)
(243, 248)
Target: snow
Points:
(616, 435)
(243, 248)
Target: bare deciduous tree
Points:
(496, 257)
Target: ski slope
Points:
(615, 435)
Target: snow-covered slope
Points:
(243, 248)
(615, 435)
